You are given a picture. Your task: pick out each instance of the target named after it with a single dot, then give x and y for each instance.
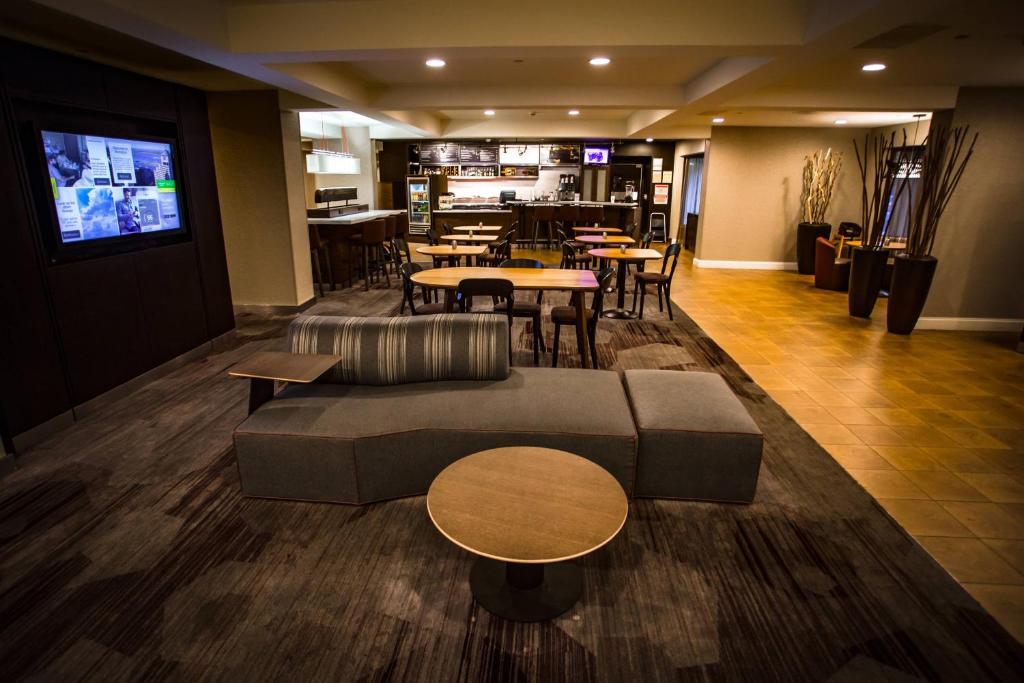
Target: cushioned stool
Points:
(696, 440)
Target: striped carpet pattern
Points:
(127, 553)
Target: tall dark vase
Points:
(867, 273)
(911, 280)
(806, 235)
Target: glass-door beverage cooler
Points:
(423, 192)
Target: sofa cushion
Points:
(696, 440)
(358, 444)
(385, 351)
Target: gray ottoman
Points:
(697, 441)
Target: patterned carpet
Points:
(127, 553)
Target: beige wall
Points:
(259, 182)
(359, 144)
(980, 243)
(752, 180)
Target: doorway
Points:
(693, 182)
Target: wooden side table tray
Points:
(263, 368)
(526, 511)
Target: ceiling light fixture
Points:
(841, 122)
(435, 63)
(876, 66)
(650, 139)
(488, 112)
(600, 61)
(718, 119)
(574, 112)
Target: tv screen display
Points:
(595, 155)
(105, 187)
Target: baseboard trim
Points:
(971, 324)
(745, 265)
(260, 309)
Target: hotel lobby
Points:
(377, 341)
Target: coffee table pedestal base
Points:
(525, 592)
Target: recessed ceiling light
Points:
(600, 61)
(488, 112)
(435, 63)
(876, 66)
(841, 122)
(650, 139)
(574, 112)
(718, 119)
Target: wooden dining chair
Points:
(661, 280)
(528, 309)
(433, 239)
(566, 315)
(572, 259)
(502, 252)
(497, 289)
(407, 270)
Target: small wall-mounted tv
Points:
(106, 187)
(595, 156)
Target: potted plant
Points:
(820, 172)
(942, 165)
(879, 172)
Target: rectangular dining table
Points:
(578, 282)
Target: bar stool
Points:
(592, 215)
(569, 215)
(371, 239)
(545, 215)
(389, 240)
(319, 252)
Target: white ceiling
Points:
(675, 63)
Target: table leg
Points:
(525, 592)
(620, 296)
(260, 391)
(581, 328)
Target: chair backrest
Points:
(646, 239)
(520, 263)
(432, 237)
(401, 247)
(824, 253)
(494, 287)
(401, 225)
(373, 231)
(504, 249)
(604, 283)
(446, 228)
(671, 253)
(568, 254)
(389, 227)
(562, 237)
(407, 270)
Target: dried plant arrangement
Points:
(820, 172)
(878, 173)
(943, 161)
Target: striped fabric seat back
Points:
(383, 351)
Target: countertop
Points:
(625, 205)
(447, 211)
(354, 218)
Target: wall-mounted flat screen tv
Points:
(595, 156)
(111, 187)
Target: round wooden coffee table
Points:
(525, 511)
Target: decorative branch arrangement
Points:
(820, 172)
(942, 166)
(878, 172)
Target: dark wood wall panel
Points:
(33, 388)
(172, 300)
(75, 330)
(204, 207)
(99, 315)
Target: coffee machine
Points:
(567, 187)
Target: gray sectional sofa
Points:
(412, 395)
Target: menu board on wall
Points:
(478, 154)
(439, 153)
(560, 155)
(520, 154)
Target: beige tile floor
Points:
(931, 424)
